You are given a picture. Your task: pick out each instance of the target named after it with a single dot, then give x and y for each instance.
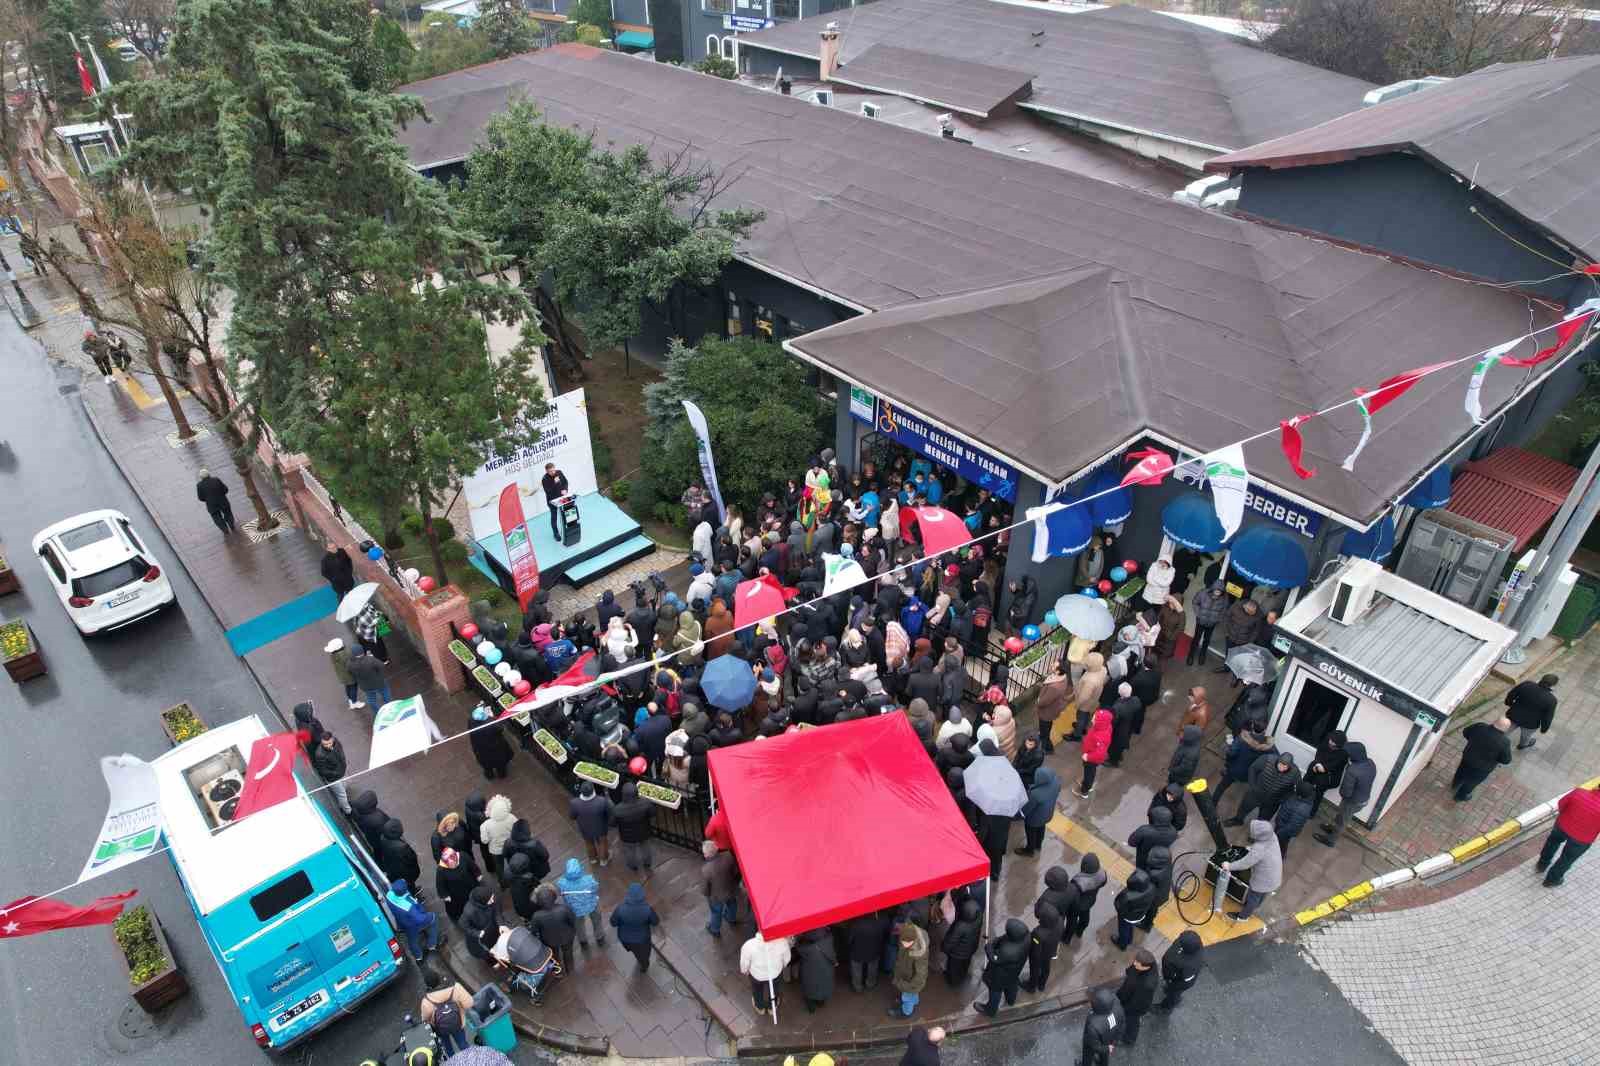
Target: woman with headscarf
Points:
(1086, 693)
(688, 634)
(896, 644)
(889, 524)
(1004, 728)
(620, 640)
(1171, 620)
(1029, 758)
(954, 725)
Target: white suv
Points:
(101, 571)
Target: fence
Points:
(357, 531)
(683, 826)
(1024, 671)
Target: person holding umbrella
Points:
(995, 788)
(357, 610)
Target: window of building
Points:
(712, 46)
(785, 9)
(717, 7)
(728, 49)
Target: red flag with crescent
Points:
(1153, 465)
(269, 778)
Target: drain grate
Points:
(66, 390)
(134, 1023)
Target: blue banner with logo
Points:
(946, 449)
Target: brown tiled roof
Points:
(971, 88)
(1512, 490)
(1527, 134)
(1043, 313)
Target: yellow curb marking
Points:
(136, 392)
(1503, 831)
(1117, 867)
(1469, 849)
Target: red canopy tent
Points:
(834, 822)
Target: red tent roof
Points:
(834, 822)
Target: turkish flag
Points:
(1153, 465)
(30, 914)
(86, 82)
(1391, 389)
(269, 779)
(942, 531)
(1565, 330)
(758, 599)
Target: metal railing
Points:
(357, 531)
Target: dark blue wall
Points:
(1404, 205)
(760, 63)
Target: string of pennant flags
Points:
(1224, 468)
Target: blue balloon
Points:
(1030, 632)
(1118, 574)
(1091, 592)
(374, 553)
(1050, 618)
(492, 656)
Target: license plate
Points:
(311, 1002)
(119, 600)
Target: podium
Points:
(568, 519)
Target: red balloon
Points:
(426, 583)
(1104, 585)
(1013, 645)
(637, 766)
(521, 689)
(469, 632)
(1131, 565)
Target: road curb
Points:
(1501, 835)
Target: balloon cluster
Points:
(1030, 632)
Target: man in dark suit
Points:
(554, 484)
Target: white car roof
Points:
(220, 866)
(95, 557)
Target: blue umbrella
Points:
(1114, 507)
(1068, 531)
(1432, 491)
(1375, 543)
(728, 683)
(1191, 520)
(1269, 555)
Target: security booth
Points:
(1386, 661)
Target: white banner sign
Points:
(132, 828)
(708, 467)
(402, 728)
(563, 440)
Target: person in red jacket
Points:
(1577, 824)
(1096, 743)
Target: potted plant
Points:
(490, 683)
(600, 775)
(20, 651)
(8, 577)
(463, 654)
(181, 723)
(152, 972)
(660, 795)
(551, 746)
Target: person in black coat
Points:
(1176, 801)
(450, 832)
(815, 953)
(957, 754)
(1059, 892)
(1158, 864)
(1185, 761)
(396, 858)
(337, 570)
(1159, 831)
(1102, 1028)
(523, 842)
(474, 812)
(369, 818)
(1180, 968)
(1003, 974)
(489, 744)
(961, 942)
(868, 934)
(1327, 765)
(1137, 993)
(520, 885)
(480, 921)
(453, 881)
(213, 492)
(1532, 707)
(922, 1047)
(652, 734)
(1146, 685)
(1133, 906)
(1488, 746)
(1029, 758)
(633, 818)
(1124, 713)
(1042, 944)
(1293, 814)
(994, 833)
(555, 923)
(1089, 880)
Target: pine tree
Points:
(506, 25)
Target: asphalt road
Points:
(64, 995)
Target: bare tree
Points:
(143, 22)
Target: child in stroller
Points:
(523, 956)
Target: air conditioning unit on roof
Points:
(1352, 594)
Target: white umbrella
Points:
(993, 786)
(356, 600)
(1085, 616)
(1253, 664)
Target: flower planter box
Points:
(660, 796)
(487, 680)
(8, 578)
(180, 723)
(153, 973)
(551, 746)
(463, 654)
(507, 701)
(20, 651)
(599, 775)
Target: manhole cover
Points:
(134, 1023)
(66, 390)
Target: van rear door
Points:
(349, 938)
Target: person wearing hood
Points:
(814, 951)
(687, 635)
(1000, 727)
(489, 744)
(1172, 623)
(473, 815)
(695, 721)
(555, 923)
(480, 921)
(1272, 779)
(1091, 564)
(1024, 598)
(922, 1047)
(1173, 797)
(1124, 716)
(1053, 697)
(1102, 1029)
(633, 919)
(453, 881)
(1266, 858)
(1180, 968)
(1355, 789)
(956, 781)
(1146, 682)
(958, 755)
(1086, 693)
(495, 831)
(1158, 833)
(1060, 893)
(416, 923)
(396, 858)
(1133, 907)
(367, 669)
(719, 882)
(1327, 765)
(1096, 746)
(1043, 943)
(1003, 974)
(520, 885)
(923, 683)
(954, 725)
(634, 817)
(651, 734)
(922, 719)
(1248, 745)
(1293, 814)
(1158, 864)
(1210, 607)
(1088, 882)
(1029, 758)
(523, 842)
(763, 961)
(307, 727)
(1040, 808)
(1137, 993)
(718, 630)
(1185, 759)
(581, 892)
(910, 968)
(960, 942)
(867, 936)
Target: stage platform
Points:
(610, 539)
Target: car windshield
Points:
(125, 573)
(78, 539)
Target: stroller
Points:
(526, 960)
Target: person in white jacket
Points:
(764, 961)
(496, 829)
(620, 639)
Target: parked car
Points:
(101, 570)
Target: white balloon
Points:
(412, 573)
(502, 668)
(513, 677)
(484, 646)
